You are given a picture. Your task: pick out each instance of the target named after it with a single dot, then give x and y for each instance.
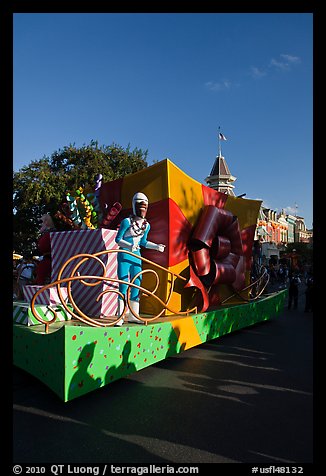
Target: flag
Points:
(221, 136)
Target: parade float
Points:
(79, 332)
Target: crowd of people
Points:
(296, 280)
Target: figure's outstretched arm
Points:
(153, 246)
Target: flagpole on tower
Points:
(220, 138)
(219, 142)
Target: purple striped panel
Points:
(47, 297)
(69, 243)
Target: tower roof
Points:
(220, 167)
(220, 177)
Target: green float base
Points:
(74, 359)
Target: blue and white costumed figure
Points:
(132, 234)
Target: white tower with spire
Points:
(220, 178)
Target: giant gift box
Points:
(66, 244)
(195, 223)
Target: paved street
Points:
(243, 398)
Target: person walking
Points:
(294, 291)
(308, 293)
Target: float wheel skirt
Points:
(73, 359)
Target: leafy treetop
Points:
(41, 186)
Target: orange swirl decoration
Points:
(216, 253)
(91, 280)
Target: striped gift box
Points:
(22, 314)
(66, 244)
(47, 297)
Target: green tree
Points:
(41, 186)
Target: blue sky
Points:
(165, 82)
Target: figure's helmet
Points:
(139, 204)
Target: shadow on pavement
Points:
(245, 398)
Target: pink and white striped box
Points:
(66, 244)
(46, 297)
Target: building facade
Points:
(301, 234)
